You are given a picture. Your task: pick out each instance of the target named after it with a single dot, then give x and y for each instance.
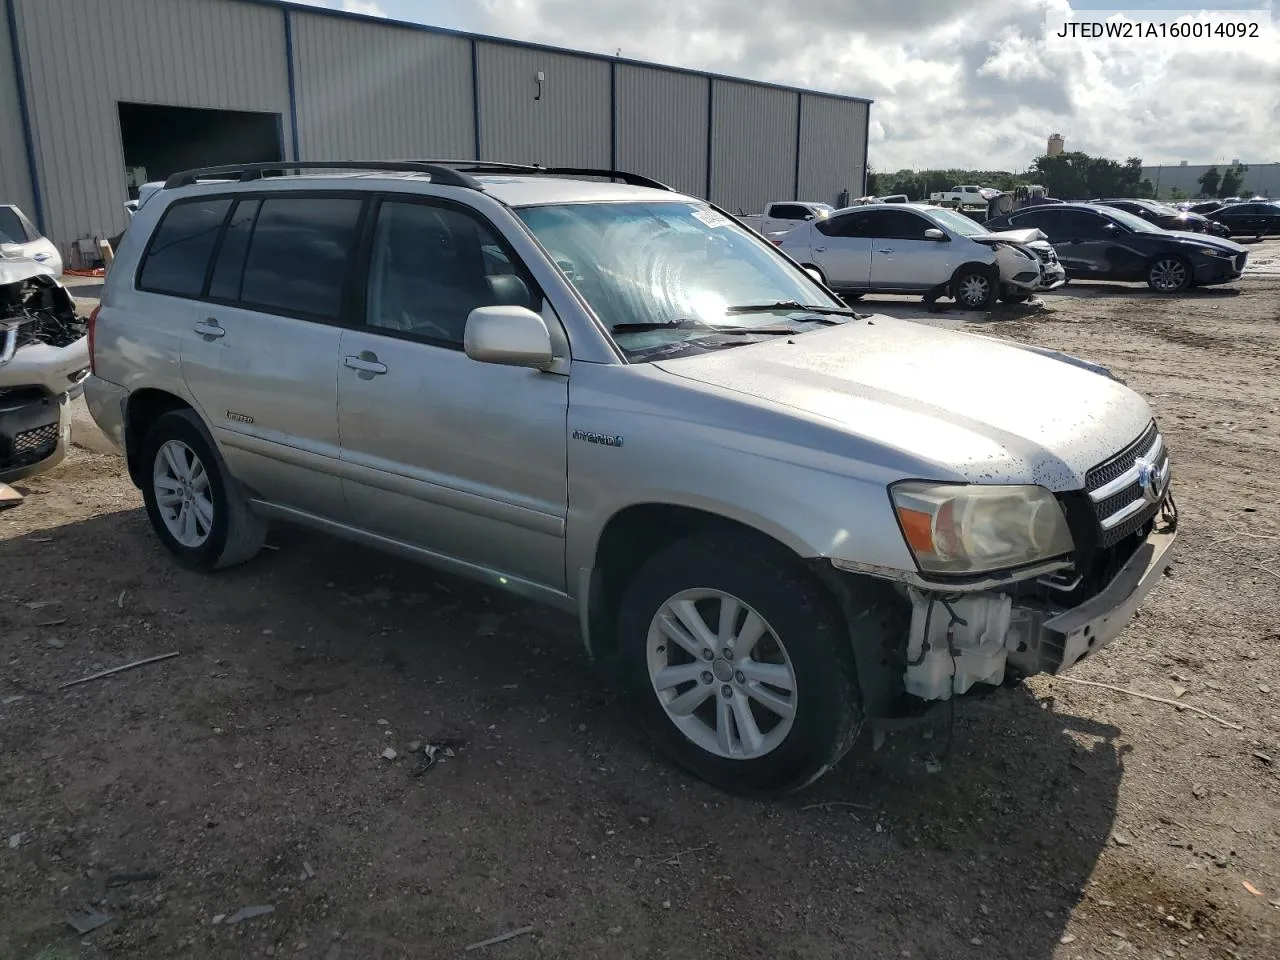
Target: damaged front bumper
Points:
(44, 359)
(35, 431)
(960, 640)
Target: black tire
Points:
(236, 534)
(827, 707)
(974, 287)
(1170, 274)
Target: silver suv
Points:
(777, 517)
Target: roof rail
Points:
(440, 174)
(537, 169)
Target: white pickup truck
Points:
(784, 215)
(965, 196)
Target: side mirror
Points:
(1111, 228)
(933, 233)
(508, 335)
(808, 216)
(10, 250)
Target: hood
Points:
(1207, 240)
(17, 269)
(949, 405)
(1011, 236)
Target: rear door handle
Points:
(885, 250)
(819, 249)
(366, 365)
(209, 329)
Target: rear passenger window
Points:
(299, 254)
(228, 270)
(178, 257)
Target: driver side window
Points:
(430, 266)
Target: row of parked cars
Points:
(934, 250)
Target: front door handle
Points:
(885, 250)
(209, 329)
(819, 249)
(366, 365)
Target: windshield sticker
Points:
(711, 218)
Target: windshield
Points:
(958, 223)
(674, 265)
(1132, 221)
(11, 227)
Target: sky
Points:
(956, 83)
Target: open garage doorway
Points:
(160, 140)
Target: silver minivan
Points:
(776, 516)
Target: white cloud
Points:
(956, 82)
(368, 7)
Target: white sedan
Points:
(923, 249)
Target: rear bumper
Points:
(35, 432)
(106, 403)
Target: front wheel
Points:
(739, 664)
(974, 289)
(1169, 275)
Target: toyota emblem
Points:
(1148, 480)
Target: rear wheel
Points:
(194, 504)
(1169, 275)
(974, 288)
(739, 664)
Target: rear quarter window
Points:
(177, 258)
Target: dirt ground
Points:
(1065, 821)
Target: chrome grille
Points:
(1127, 490)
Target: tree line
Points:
(1066, 176)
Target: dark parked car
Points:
(1102, 243)
(1167, 217)
(1202, 207)
(1249, 219)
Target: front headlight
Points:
(1213, 252)
(974, 528)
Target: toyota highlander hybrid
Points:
(776, 517)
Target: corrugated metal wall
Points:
(570, 125)
(753, 156)
(662, 126)
(15, 183)
(364, 89)
(368, 92)
(833, 145)
(84, 56)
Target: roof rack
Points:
(244, 172)
(537, 169)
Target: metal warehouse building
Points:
(106, 94)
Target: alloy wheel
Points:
(721, 674)
(1168, 276)
(183, 496)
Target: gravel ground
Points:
(1064, 821)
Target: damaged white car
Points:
(925, 249)
(44, 358)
